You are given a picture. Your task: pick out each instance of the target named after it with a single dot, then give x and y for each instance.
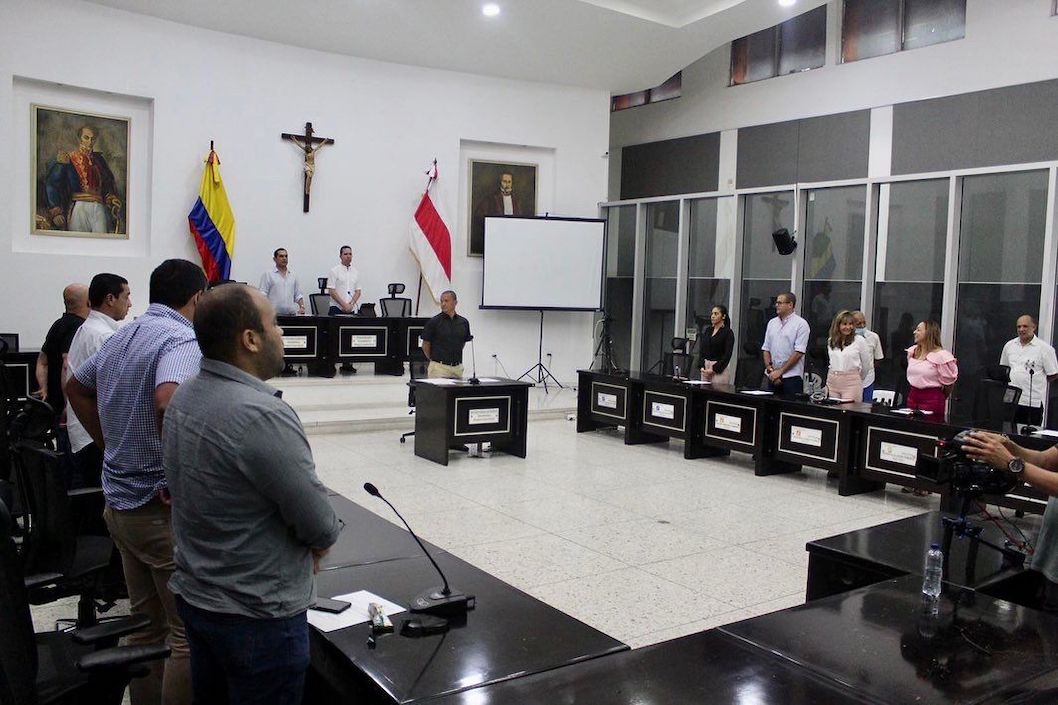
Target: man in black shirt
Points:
(443, 338)
(57, 344)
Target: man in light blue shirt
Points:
(282, 288)
(785, 344)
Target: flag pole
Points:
(418, 296)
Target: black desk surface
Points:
(900, 547)
(368, 538)
(876, 641)
(465, 383)
(510, 634)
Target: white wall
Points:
(389, 121)
(1008, 42)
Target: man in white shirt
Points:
(110, 300)
(282, 288)
(785, 344)
(343, 285)
(1033, 367)
(875, 344)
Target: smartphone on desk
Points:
(326, 604)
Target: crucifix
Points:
(309, 145)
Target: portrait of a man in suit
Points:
(498, 189)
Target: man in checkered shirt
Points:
(120, 395)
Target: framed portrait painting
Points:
(80, 173)
(497, 188)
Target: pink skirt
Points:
(718, 377)
(928, 399)
(845, 385)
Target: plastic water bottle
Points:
(932, 573)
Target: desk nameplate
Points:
(731, 423)
(665, 411)
(363, 341)
(809, 436)
(895, 453)
(299, 341)
(609, 400)
(478, 416)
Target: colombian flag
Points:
(213, 224)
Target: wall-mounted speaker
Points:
(784, 241)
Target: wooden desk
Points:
(867, 556)
(705, 668)
(508, 635)
(877, 642)
(495, 412)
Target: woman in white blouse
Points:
(850, 359)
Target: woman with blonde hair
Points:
(931, 371)
(850, 359)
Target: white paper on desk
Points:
(1045, 432)
(488, 379)
(756, 392)
(908, 412)
(442, 381)
(696, 381)
(356, 614)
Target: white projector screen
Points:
(543, 263)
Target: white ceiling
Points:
(616, 45)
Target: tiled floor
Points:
(634, 540)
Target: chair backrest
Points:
(884, 395)
(417, 369)
(995, 404)
(18, 649)
(12, 341)
(395, 307)
(50, 543)
(672, 360)
(367, 310)
(321, 304)
(322, 283)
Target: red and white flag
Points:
(431, 243)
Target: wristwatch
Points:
(1016, 466)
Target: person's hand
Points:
(990, 448)
(165, 497)
(317, 554)
(41, 394)
(707, 375)
(301, 309)
(775, 376)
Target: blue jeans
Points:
(790, 387)
(241, 660)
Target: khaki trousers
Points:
(144, 539)
(439, 369)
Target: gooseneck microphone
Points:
(473, 365)
(442, 601)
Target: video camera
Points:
(967, 477)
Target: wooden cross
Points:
(309, 145)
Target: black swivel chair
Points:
(64, 668)
(394, 306)
(416, 370)
(995, 405)
(321, 304)
(677, 357)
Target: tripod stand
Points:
(962, 528)
(542, 373)
(605, 349)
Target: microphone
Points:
(474, 365)
(442, 601)
(1030, 365)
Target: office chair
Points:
(321, 304)
(322, 283)
(367, 310)
(416, 370)
(11, 339)
(82, 666)
(677, 357)
(995, 404)
(394, 306)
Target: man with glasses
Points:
(785, 344)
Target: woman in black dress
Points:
(715, 345)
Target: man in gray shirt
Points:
(250, 517)
(282, 288)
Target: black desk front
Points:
(705, 668)
(876, 641)
(323, 341)
(509, 635)
(20, 374)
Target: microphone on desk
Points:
(473, 365)
(442, 601)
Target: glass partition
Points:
(706, 285)
(659, 290)
(909, 275)
(620, 270)
(1000, 271)
(833, 263)
(765, 274)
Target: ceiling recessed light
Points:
(787, 3)
(490, 9)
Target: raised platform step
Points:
(368, 402)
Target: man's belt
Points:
(450, 364)
(87, 197)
